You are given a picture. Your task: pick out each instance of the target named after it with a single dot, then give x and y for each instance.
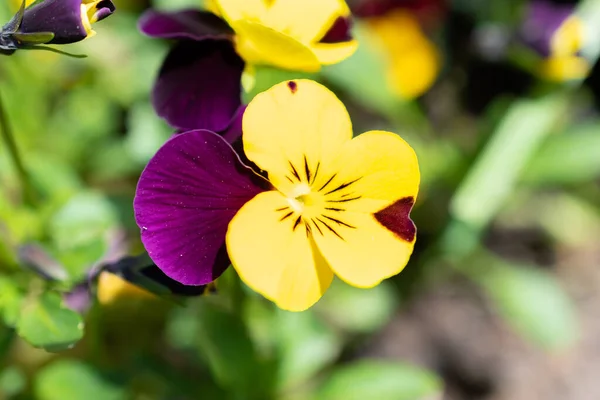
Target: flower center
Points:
(304, 201)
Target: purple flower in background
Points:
(53, 22)
(186, 197)
(558, 35)
(542, 21)
(199, 84)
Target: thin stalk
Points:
(13, 151)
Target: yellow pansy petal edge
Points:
(306, 20)
(341, 205)
(234, 10)
(287, 33)
(259, 44)
(272, 258)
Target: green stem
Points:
(8, 138)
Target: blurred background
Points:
(500, 301)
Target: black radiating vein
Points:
(317, 226)
(330, 228)
(306, 169)
(294, 171)
(344, 200)
(342, 186)
(286, 216)
(297, 223)
(282, 208)
(328, 182)
(335, 209)
(337, 221)
(316, 172)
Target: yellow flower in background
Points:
(564, 62)
(412, 60)
(558, 35)
(340, 205)
(112, 288)
(287, 34)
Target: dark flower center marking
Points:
(330, 217)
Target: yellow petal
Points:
(305, 20)
(273, 258)
(383, 167)
(112, 288)
(259, 44)
(296, 123)
(367, 253)
(414, 71)
(565, 68)
(568, 39)
(413, 61)
(333, 53)
(234, 10)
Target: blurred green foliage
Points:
(85, 129)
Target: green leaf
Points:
(358, 310)
(363, 76)
(306, 345)
(532, 302)
(226, 344)
(380, 380)
(568, 158)
(48, 324)
(495, 173)
(74, 380)
(147, 133)
(11, 300)
(83, 219)
(12, 381)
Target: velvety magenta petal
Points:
(186, 24)
(199, 85)
(185, 199)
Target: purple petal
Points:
(199, 85)
(104, 9)
(542, 20)
(61, 17)
(234, 129)
(186, 24)
(185, 199)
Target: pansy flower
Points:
(396, 29)
(53, 22)
(199, 83)
(288, 34)
(333, 204)
(558, 35)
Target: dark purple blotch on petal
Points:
(186, 24)
(186, 197)
(340, 31)
(396, 218)
(199, 86)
